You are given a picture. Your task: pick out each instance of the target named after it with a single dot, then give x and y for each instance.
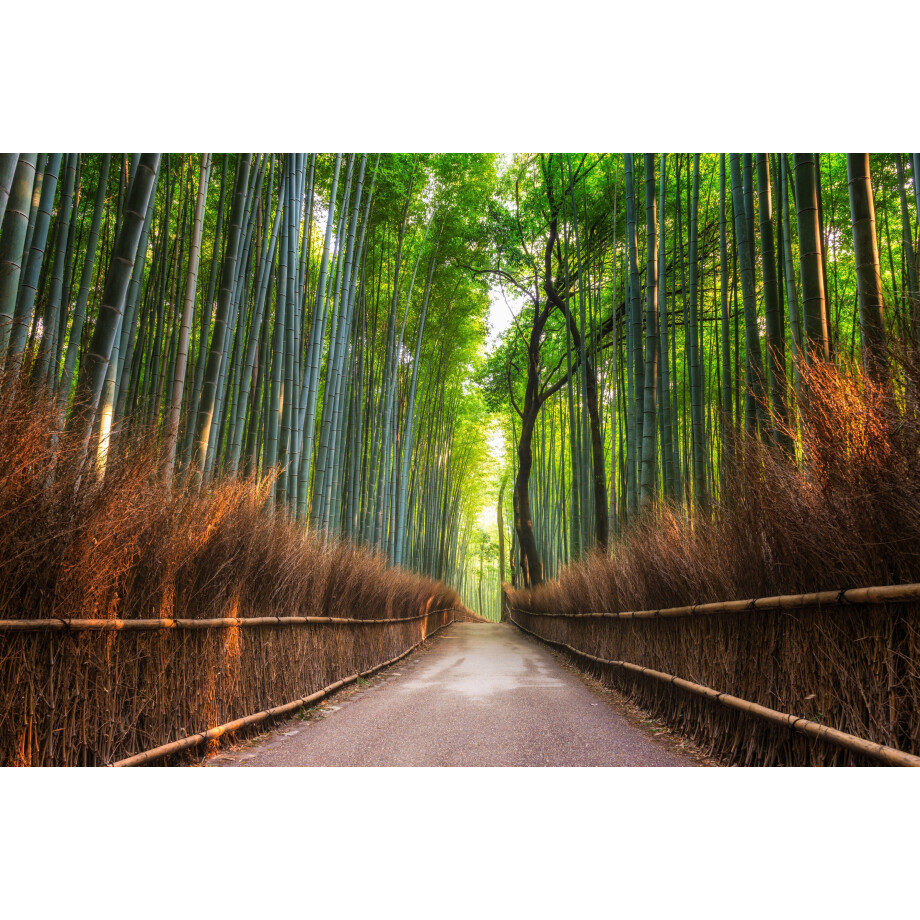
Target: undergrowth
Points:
(843, 512)
(77, 542)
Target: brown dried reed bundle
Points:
(845, 514)
(78, 544)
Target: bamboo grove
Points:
(316, 322)
(666, 306)
(299, 318)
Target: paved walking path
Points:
(479, 696)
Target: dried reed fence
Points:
(72, 697)
(842, 508)
(133, 611)
(831, 678)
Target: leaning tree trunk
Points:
(500, 509)
(531, 563)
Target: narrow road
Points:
(480, 696)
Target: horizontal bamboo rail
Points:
(52, 624)
(881, 595)
(879, 752)
(174, 747)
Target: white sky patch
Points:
(496, 441)
(320, 215)
(504, 305)
(488, 519)
(429, 196)
(320, 220)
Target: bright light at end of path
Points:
(488, 515)
(488, 519)
(496, 441)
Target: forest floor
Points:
(478, 696)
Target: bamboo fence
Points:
(846, 663)
(150, 688)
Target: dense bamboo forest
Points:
(406, 454)
(483, 367)
(671, 311)
(306, 319)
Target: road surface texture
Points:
(479, 696)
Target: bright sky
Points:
(503, 307)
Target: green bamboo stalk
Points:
(54, 306)
(310, 385)
(697, 429)
(810, 259)
(776, 340)
(727, 423)
(218, 339)
(868, 273)
(665, 406)
(649, 427)
(789, 273)
(12, 243)
(185, 328)
(635, 323)
(754, 413)
(8, 162)
(28, 281)
(93, 368)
